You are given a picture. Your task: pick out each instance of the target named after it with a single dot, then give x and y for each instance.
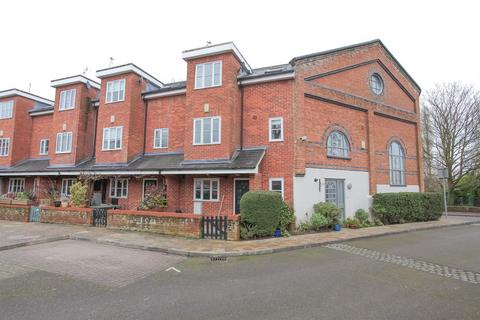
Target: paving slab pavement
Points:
(17, 234)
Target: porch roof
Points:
(243, 161)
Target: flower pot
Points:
(277, 233)
(57, 203)
(22, 202)
(337, 227)
(6, 201)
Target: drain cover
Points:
(218, 258)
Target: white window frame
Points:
(114, 188)
(66, 185)
(59, 142)
(270, 188)
(201, 189)
(202, 137)
(394, 161)
(143, 185)
(4, 147)
(44, 145)
(6, 109)
(14, 187)
(161, 132)
(67, 100)
(110, 89)
(270, 136)
(201, 83)
(107, 148)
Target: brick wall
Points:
(14, 212)
(174, 224)
(42, 129)
(82, 216)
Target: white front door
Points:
(197, 207)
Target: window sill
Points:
(339, 157)
(112, 102)
(111, 149)
(217, 86)
(198, 200)
(61, 110)
(160, 147)
(279, 140)
(206, 144)
(66, 152)
(398, 185)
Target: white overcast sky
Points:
(435, 41)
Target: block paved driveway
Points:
(429, 274)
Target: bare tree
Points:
(451, 124)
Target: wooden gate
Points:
(215, 227)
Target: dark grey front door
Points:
(335, 193)
(241, 187)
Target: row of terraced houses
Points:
(338, 126)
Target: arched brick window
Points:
(337, 144)
(397, 164)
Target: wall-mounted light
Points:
(349, 186)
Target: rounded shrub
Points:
(260, 213)
(361, 215)
(318, 222)
(328, 210)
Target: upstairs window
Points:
(44, 147)
(206, 189)
(161, 138)
(4, 146)
(397, 171)
(118, 188)
(6, 109)
(66, 184)
(206, 130)
(115, 91)
(208, 75)
(64, 142)
(276, 129)
(337, 145)
(112, 138)
(376, 84)
(16, 185)
(67, 99)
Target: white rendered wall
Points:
(382, 188)
(306, 191)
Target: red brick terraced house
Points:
(338, 126)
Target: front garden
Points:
(265, 214)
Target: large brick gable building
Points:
(336, 126)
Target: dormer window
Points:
(208, 75)
(67, 99)
(115, 91)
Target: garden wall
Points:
(167, 223)
(83, 216)
(464, 209)
(14, 212)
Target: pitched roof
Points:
(353, 47)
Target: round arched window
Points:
(376, 84)
(337, 145)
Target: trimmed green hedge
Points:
(404, 207)
(260, 213)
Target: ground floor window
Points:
(276, 185)
(118, 188)
(206, 189)
(66, 184)
(16, 185)
(149, 186)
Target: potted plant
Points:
(23, 198)
(6, 198)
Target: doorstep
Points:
(209, 248)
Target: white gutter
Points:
(77, 173)
(165, 94)
(278, 77)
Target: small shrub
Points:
(352, 223)
(329, 211)
(361, 215)
(260, 213)
(78, 193)
(407, 207)
(318, 222)
(155, 198)
(287, 216)
(23, 196)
